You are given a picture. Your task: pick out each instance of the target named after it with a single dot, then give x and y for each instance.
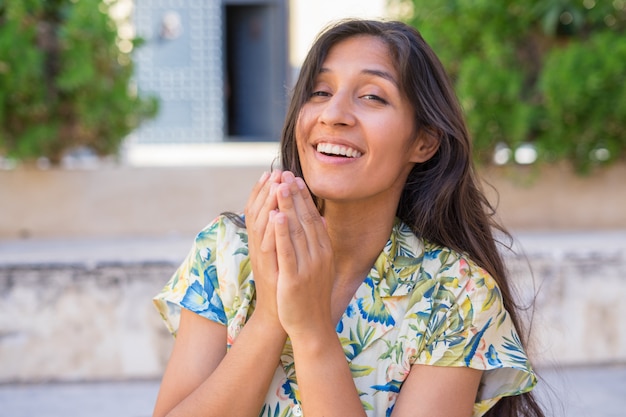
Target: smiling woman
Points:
(364, 271)
(355, 103)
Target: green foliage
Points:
(64, 81)
(584, 94)
(546, 72)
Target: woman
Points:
(366, 279)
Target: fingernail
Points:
(273, 187)
(285, 191)
(288, 177)
(264, 176)
(300, 183)
(275, 175)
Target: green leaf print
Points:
(245, 268)
(406, 262)
(360, 370)
(367, 406)
(394, 351)
(243, 236)
(356, 341)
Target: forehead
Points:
(360, 50)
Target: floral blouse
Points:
(420, 304)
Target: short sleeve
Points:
(195, 285)
(470, 327)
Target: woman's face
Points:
(356, 134)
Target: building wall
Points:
(307, 18)
(181, 62)
(219, 68)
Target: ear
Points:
(425, 145)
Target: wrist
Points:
(267, 323)
(316, 342)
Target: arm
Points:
(305, 282)
(438, 391)
(202, 380)
(324, 378)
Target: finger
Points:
(308, 206)
(261, 190)
(261, 201)
(297, 232)
(256, 190)
(268, 243)
(285, 252)
(308, 215)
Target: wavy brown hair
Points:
(441, 200)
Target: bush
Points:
(64, 80)
(544, 72)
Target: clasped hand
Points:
(291, 255)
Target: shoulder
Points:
(417, 260)
(449, 266)
(224, 231)
(446, 281)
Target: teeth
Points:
(340, 150)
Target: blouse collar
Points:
(395, 269)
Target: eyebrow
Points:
(376, 73)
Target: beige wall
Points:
(553, 198)
(159, 201)
(119, 201)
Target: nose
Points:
(338, 110)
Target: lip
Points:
(337, 142)
(333, 160)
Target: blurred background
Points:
(126, 126)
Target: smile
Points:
(337, 150)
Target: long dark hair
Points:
(441, 200)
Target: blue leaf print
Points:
(350, 310)
(432, 254)
(349, 313)
(515, 350)
(391, 386)
(339, 327)
(492, 357)
(474, 343)
(288, 390)
(195, 298)
(208, 233)
(204, 300)
(372, 308)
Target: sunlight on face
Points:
(356, 134)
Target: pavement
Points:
(598, 391)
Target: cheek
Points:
(305, 120)
(303, 129)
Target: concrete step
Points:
(564, 392)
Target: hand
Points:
(261, 205)
(305, 260)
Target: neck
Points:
(358, 235)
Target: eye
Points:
(374, 97)
(320, 93)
